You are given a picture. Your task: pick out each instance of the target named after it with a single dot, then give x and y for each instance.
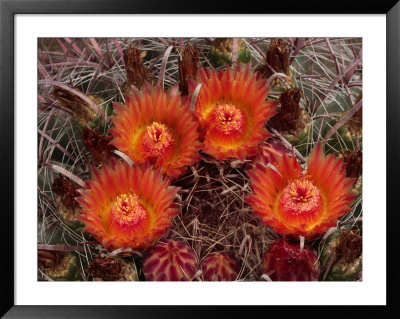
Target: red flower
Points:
(154, 126)
(306, 203)
(232, 111)
(126, 207)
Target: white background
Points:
(373, 288)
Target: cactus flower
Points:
(126, 207)
(232, 110)
(297, 203)
(155, 127)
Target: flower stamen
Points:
(300, 198)
(127, 211)
(157, 140)
(228, 119)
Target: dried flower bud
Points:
(354, 124)
(81, 110)
(353, 160)
(278, 56)
(341, 256)
(349, 246)
(107, 269)
(111, 269)
(98, 145)
(48, 259)
(188, 66)
(136, 71)
(290, 118)
(59, 265)
(63, 187)
(290, 100)
(68, 208)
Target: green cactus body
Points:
(342, 139)
(74, 225)
(345, 272)
(349, 134)
(299, 141)
(221, 52)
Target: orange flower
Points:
(306, 203)
(156, 127)
(232, 111)
(126, 207)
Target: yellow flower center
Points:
(300, 198)
(157, 140)
(228, 119)
(127, 211)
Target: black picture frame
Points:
(8, 10)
